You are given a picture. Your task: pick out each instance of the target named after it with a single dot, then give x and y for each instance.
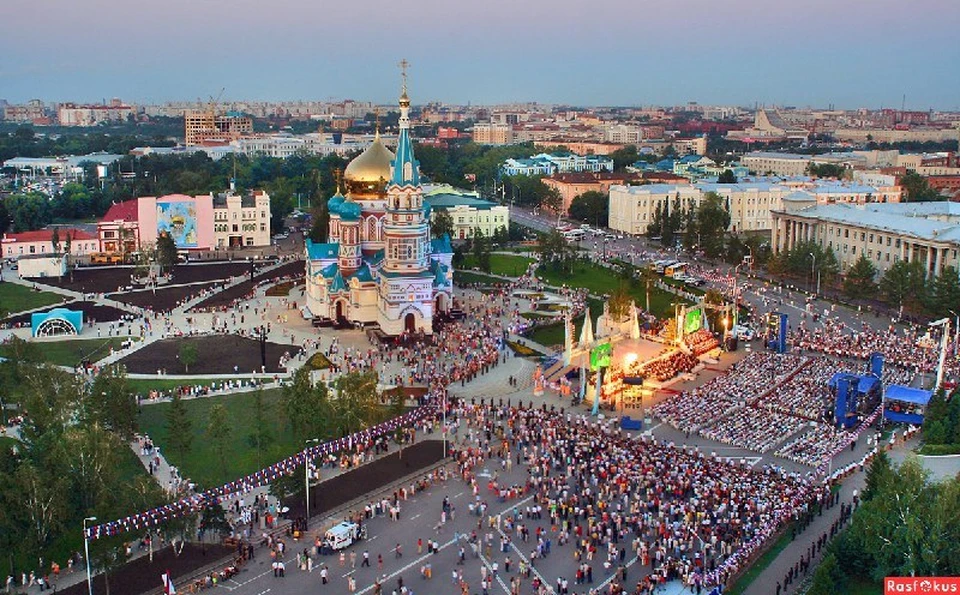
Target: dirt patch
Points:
(143, 576)
(336, 492)
(216, 354)
(92, 312)
(227, 297)
(109, 279)
(164, 299)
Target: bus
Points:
(676, 269)
(573, 235)
(106, 258)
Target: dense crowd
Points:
(744, 381)
(685, 516)
(701, 341)
(905, 348)
(666, 367)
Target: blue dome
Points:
(350, 210)
(333, 205)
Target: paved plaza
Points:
(469, 545)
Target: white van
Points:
(343, 535)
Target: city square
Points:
(404, 345)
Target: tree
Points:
(727, 177)
(552, 200)
(903, 283)
(481, 250)
(188, 355)
(554, 250)
(944, 294)
(357, 404)
(214, 518)
(713, 219)
(166, 251)
(28, 211)
(620, 303)
(307, 407)
(441, 223)
(179, 427)
(261, 436)
(55, 240)
(218, 430)
(628, 155)
(826, 170)
(916, 188)
(827, 578)
(591, 207)
(112, 403)
(859, 281)
(879, 474)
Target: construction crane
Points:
(215, 101)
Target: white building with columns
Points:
(928, 233)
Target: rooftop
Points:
(889, 217)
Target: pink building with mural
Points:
(203, 222)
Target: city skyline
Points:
(849, 54)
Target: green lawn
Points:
(507, 265)
(600, 280)
(465, 277)
(551, 335)
(144, 385)
(72, 351)
(17, 298)
(747, 578)
(201, 464)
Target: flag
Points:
(168, 588)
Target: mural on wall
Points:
(179, 219)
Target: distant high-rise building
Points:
(492, 133)
(203, 127)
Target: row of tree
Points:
(904, 285)
(700, 227)
(941, 422)
(69, 463)
(906, 525)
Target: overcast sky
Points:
(851, 53)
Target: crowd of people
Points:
(684, 515)
(906, 348)
(764, 400)
(744, 381)
(669, 366)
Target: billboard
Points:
(600, 356)
(179, 219)
(692, 321)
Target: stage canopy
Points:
(905, 394)
(864, 383)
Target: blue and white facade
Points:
(546, 165)
(379, 264)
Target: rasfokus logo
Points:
(921, 585)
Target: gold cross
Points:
(337, 174)
(403, 72)
(376, 113)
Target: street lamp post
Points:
(813, 267)
(306, 475)
(86, 552)
(736, 294)
(956, 332)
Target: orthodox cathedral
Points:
(379, 264)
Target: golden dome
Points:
(371, 165)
